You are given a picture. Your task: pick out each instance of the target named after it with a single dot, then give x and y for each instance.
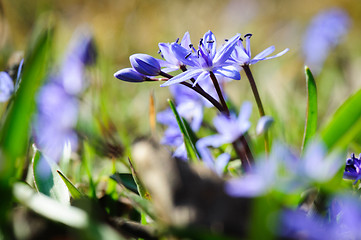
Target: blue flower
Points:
(229, 128)
(353, 168)
(242, 56)
(171, 62)
(323, 34)
(57, 101)
(207, 59)
(342, 221)
(6, 86)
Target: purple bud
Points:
(130, 75)
(145, 64)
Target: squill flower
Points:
(171, 62)
(145, 64)
(57, 101)
(353, 168)
(325, 32)
(242, 56)
(207, 59)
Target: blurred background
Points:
(125, 27)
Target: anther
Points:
(248, 35)
(190, 45)
(241, 39)
(177, 40)
(210, 41)
(187, 55)
(226, 40)
(201, 41)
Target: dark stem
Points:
(219, 92)
(254, 89)
(258, 101)
(199, 90)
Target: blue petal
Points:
(145, 64)
(229, 72)
(129, 75)
(226, 50)
(265, 53)
(183, 56)
(186, 41)
(209, 42)
(183, 77)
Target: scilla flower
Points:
(242, 55)
(206, 60)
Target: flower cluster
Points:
(198, 65)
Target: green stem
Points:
(258, 101)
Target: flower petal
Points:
(209, 42)
(229, 72)
(183, 55)
(186, 41)
(265, 53)
(191, 73)
(226, 50)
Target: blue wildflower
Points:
(207, 59)
(242, 56)
(171, 62)
(353, 168)
(323, 34)
(229, 128)
(57, 102)
(6, 86)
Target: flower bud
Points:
(145, 64)
(130, 75)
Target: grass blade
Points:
(189, 144)
(74, 192)
(345, 124)
(311, 112)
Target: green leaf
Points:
(311, 113)
(49, 207)
(345, 124)
(47, 180)
(71, 216)
(74, 192)
(126, 179)
(138, 202)
(14, 136)
(189, 144)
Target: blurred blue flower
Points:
(242, 56)
(57, 101)
(324, 33)
(6, 86)
(171, 62)
(190, 107)
(229, 128)
(353, 168)
(207, 59)
(286, 172)
(343, 221)
(81, 52)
